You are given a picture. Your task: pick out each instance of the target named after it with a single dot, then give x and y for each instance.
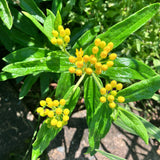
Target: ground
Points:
(17, 125)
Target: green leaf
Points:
(28, 82)
(5, 14)
(91, 97)
(49, 23)
(45, 134)
(65, 81)
(86, 38)
(140, 67)
(26, 54)
(120, 31)
(152, 130)
(31, 7)
(5, 75)
(144, 89)
(22, 23)
(56, 6)
(134, 123)
(99, 126)
(51, 63)
(36, 23)
(122, 72)
(110, 156)
(58, 21)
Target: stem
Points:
(97, 81)
(64, 50)
(76, 85)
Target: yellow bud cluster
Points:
(61, 36)
(92, 64)
(109, 92)
(56, 115)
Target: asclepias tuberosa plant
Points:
(106, 76)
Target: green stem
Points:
(64, 50)
(97, 81)
(76, 85)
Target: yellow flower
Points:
(66, 111)
(119, 86)
(121, 99)
(43, 103)
(97, 42)
(72, 70)
(103, 91)
(78, 72)
(89, 71)
(103, 99)
(62, 102)
(110, 98)
(95, 50)
(112, 105)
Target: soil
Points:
(18, 124)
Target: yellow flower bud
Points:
(50, 114)
(110, 98)
(68, 32)
(103, 91)
(55, 33)
(58, 111)
(93, 60)
(60, 27)
(39, 109)
(108, 87)
(72, 70)
(78, 72)
(50, 104)
(59, 124)
(55, 103)
(113, 56)
(48, 99)
(62, 102)
(110, 63)
(79, 64)
(110, 45)
(113, 83)
(121, 99)
(98, 65)
(104, 67)
(42, 103)
(62, 33)
(103, 99)
(72, 59)
(114, 93)
(112, 105)
(102, 44)
(89, 71)
(98, 71)
(86, 58)
(46, 111)
(103, 54)
(65, 118)
(54, 40)
(54, 122)
(66, 111)
(59, 41)
(97, 42)
(67, 39)
(95, 50)
(119, 86)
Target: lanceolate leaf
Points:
(141, 90)
(51, 63)
(49, 23)
(5, 14)
(56, 6)
(26, 54)
(31, 7)
(91, 97)
(110, 156)
(99, 126)
(65, 81)
(58, 20)
(86, 38)
(45, 134)
(134, 123)
(119, 32)
(5, 75)
(28, 82)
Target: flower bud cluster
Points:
(56, 115)
(61, 37)
(109, 92)
(93, 63)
